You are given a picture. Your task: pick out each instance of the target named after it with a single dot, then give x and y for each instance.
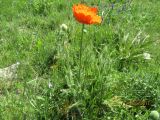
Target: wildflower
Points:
(147, 56)
(64, 27)
(85, 14)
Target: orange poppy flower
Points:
(85, 14)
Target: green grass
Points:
(114, 70)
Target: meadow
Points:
(120, 62)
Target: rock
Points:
(9, 72)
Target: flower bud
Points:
(154, 115)
(64, 27)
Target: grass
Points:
(116, 83)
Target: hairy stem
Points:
(80, 52)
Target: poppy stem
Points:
(80, 52)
